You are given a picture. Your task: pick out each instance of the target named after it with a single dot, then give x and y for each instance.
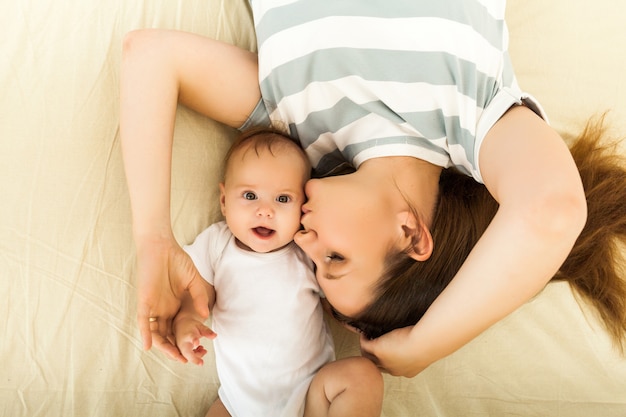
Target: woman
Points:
(398, 92)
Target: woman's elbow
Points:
(561, 214)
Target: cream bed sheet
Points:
(69, 343)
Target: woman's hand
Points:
(394, 353)
(164, 273)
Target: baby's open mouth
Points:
(263, 232)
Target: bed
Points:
(69, 343)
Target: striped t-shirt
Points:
(360, 79)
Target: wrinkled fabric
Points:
(69, 344)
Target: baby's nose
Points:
(265, 211)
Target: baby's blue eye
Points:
(249, 195)
(283, 199)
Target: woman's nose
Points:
(310, 186)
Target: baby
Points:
(270, 338)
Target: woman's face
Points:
(348, 230)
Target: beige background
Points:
(69, 345)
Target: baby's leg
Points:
(217, 409)
(347, 387)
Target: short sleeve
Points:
(207, 248)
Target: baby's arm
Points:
(529, 170)
(189, 328)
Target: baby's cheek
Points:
(293, 224)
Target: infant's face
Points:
(262, 197)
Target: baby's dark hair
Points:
(464, 210)
(263, 138)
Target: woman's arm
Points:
(159, 70)
(528, 169)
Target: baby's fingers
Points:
(207, 332)
(200, 351)
(188, 350)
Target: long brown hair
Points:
(464, 210)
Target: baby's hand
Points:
(188, 332)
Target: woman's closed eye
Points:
(333, 257)
(333, 266)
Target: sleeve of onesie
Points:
(206, 250)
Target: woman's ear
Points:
(416, 237)
(223, 199)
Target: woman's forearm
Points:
(160, 69)
(530, 172)
(510, 264)
(147, 114)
